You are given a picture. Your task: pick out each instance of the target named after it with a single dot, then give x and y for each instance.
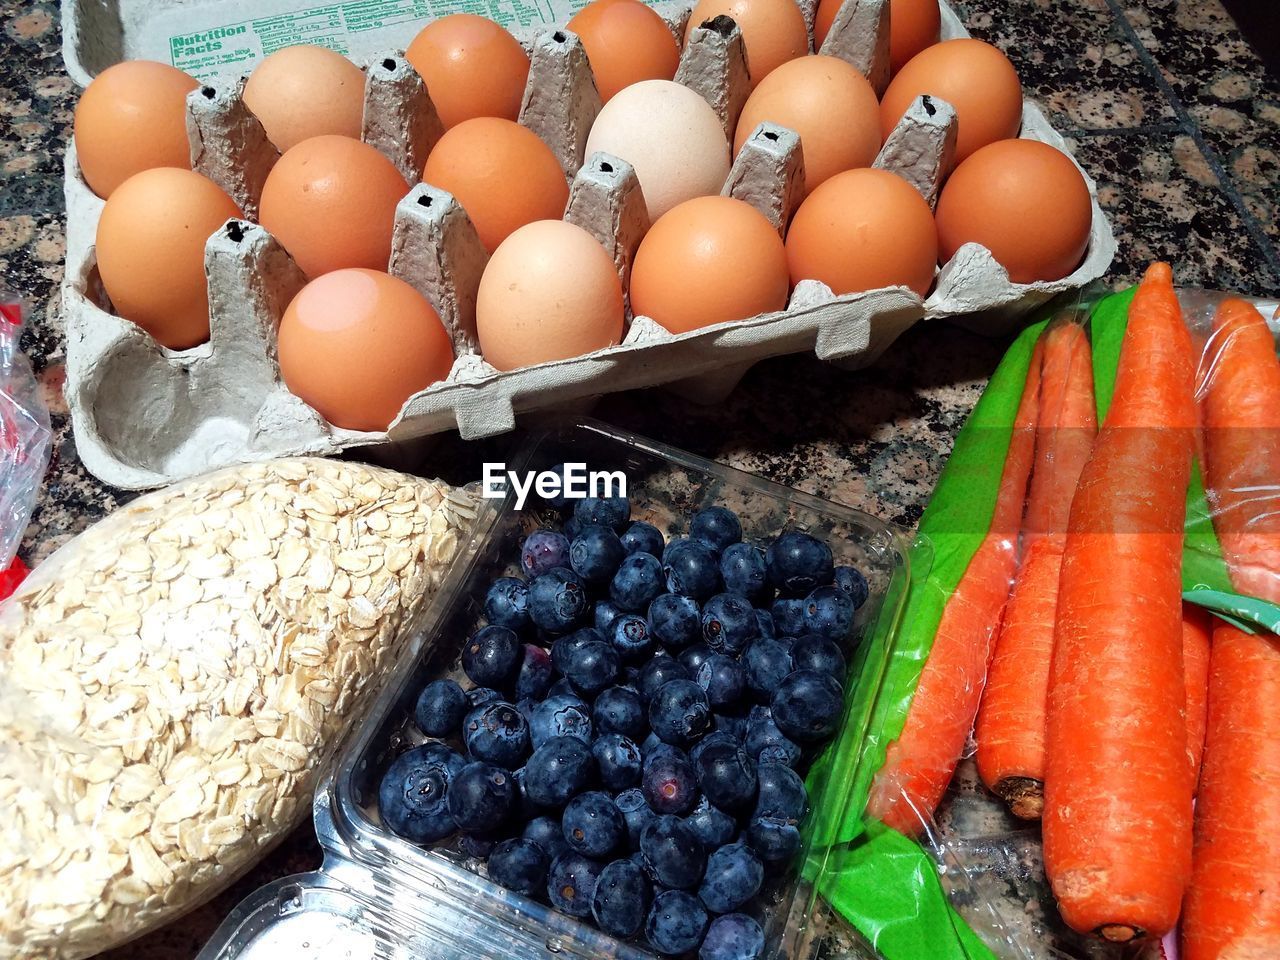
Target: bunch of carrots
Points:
(1102, 692)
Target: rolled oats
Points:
(170, 681)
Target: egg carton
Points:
(146, 416)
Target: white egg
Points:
(670, 135)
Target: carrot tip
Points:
(1025, 796)
(1118, 933)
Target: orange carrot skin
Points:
(1232, 910)
(1117, 817)
(1196, 627)
(1011, 720)
(920, 763)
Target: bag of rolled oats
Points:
(172, 680)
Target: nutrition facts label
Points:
(357, 29)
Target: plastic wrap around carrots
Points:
(920, 763)
(1011, 721)
(1117, 817)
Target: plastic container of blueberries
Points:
(377, 896)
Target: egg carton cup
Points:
(145, 416)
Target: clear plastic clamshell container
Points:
(378, 896)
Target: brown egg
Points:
(502, 173)
(132, 117)
(472, 68)
(305, 91)
(826, 101)
(913, 25)
(549, 292)
(974, 77)
(626, 42)
(864, 230)
(150, 249)
(331, 201)
(773, 31)
(709, 260)
(1024, 201)
(356, 344)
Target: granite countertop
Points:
(1162, 101)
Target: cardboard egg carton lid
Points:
(145, 416)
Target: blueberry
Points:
(631, 637)
(636, 812)
(557, 500)
(728, 623)
(560, 716)
(812, 652)
(743, 570)
(806, 706)
(543, 551)
(562, 688)
(637, 583)
(734, 936)
(413, 793)
(767, 662)
(734, 726)
(691, 569)
(496, 733)
(559, 770)
(593, 825)
(519, 865)
(734, 876)
(476, 845)
(570, 529)
(595, 554)
(593, 666)
(619, 710)
(788, 617)
(781, 793)
(557, 599)
(712, 825)
(534, 677)
(492, 657)
(764, 621)
(828, 612)
(547, 833)
(621, 899)
(525, 809)
(643, 537)
(603, 614)
(765, 743)
(727, 776)
(774, 839)
(717, 527)
(571, 883)
(652, 744)
(479, 696)
(694, 657)
(669, 782)
(799, 562)
(562, 650)
(675, 621)
(613, 512)
(854, 584)
(679, 712)
(715, 736)
(506, 603)
(658, 671)
(676, 923)
(724, 680)
(618, 760)
(481, 797)
(440, 708)
(673, 855)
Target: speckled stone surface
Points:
(1163, 102)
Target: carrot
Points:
(1233, 904)
(919, 764)
(1232, 908)
(1195, 664)
(1239, 386)
(1117, 815)
(1010, 730)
